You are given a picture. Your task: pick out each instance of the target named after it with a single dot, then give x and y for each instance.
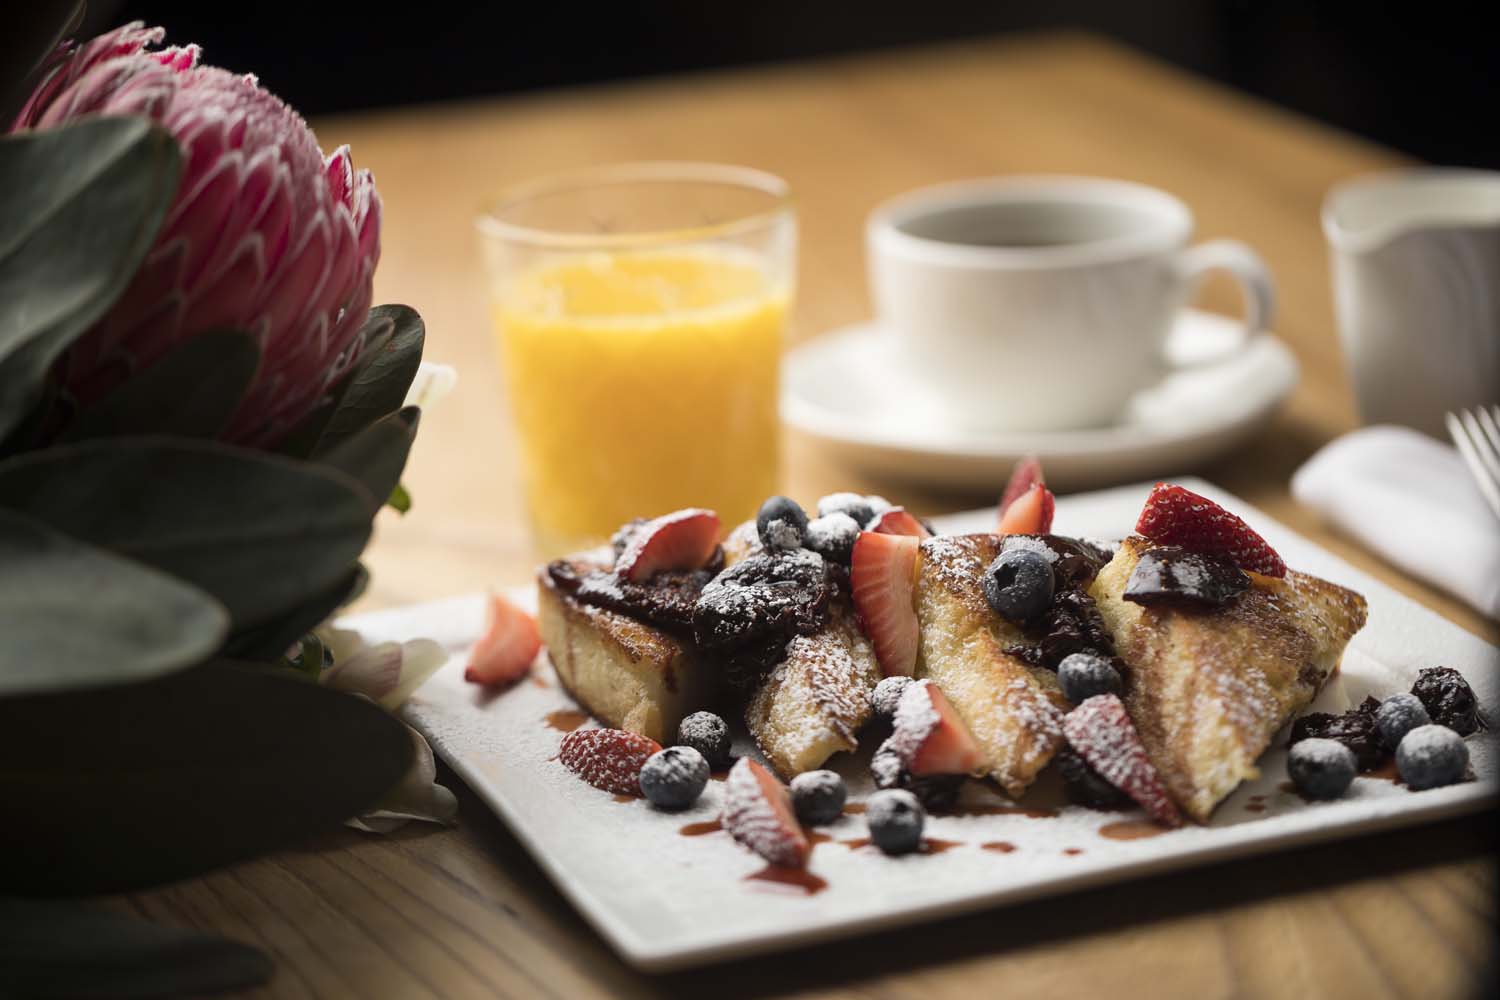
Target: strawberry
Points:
(683, 539)
(1027, 473)
(929, 736)
(608, 759)
(1030, 513)
(882, 578)
(1102, 734)
(1175, 516)
(899, 521)
(505, 652)
(758, 813)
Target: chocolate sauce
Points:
(565, 720)
(854, 808)
(1073, 623)
(814, 838)
(666, 600)
(1072, 851)
(626, 798)
(1128, 829)
(930, 845)
(794, 878)
(700, 829)
(1255, 807)
(1002, 846)
(1385, 771)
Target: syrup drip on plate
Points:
(700, 829)
(1072, 851)
(1129, 829)
(930, 845)
(854, 808)
(565, 720)
(778, 878)
(1002, 846)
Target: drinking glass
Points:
(640, 312)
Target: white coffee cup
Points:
(1042, 303)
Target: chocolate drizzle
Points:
(666, 600)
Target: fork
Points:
(1476, 432)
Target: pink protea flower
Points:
(264, 234)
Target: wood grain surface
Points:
(464, 912)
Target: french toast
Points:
(813, 703)
(1209, 686)
(1013, 710)
(626, 673)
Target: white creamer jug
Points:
(1416, 276)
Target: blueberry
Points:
(781, 524)
(885, 696)
(818, 797)
(855, 506)
(1320, 768)
(1086, 786)
(708, 734)
(1430, 757)
(895, 818)
(1398, 715)
(1448, 699)
(674, 778)
(1083, 675)
(832, 536)
(1018, 585)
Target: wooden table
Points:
(465, 912)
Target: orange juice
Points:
(642, 382)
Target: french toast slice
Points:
(815, 701)
(1013, 710)
(626, 673)
(1209, 687)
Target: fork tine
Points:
(1466, 448)
(1487, 419)
(1486, 444)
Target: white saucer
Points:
(841, 389)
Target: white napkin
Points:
(1411, 499)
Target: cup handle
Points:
(1255, 281)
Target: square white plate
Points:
(665, 900)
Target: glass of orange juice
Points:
(640, 313)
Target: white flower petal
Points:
(433, 382)
(416, 797)
(420, 660)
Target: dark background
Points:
(1421, 77)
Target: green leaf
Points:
(377, 455)
(122, 788)
(59, 948)
(270, 641)
(76, 616)
(399, 500)
(81, 206)
(379, 387)
(260, 532)
(191, 392)
(393, 337)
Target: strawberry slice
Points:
(1175, 516)
(1026, 474)
(882, 578)
(1030, 513)
(505, 652)
(929, 736)
(683, 539)
(608, 759)
(899, 521)
(1102, 734)
(758, 813)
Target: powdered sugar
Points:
(915, 719)
(758, 813)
